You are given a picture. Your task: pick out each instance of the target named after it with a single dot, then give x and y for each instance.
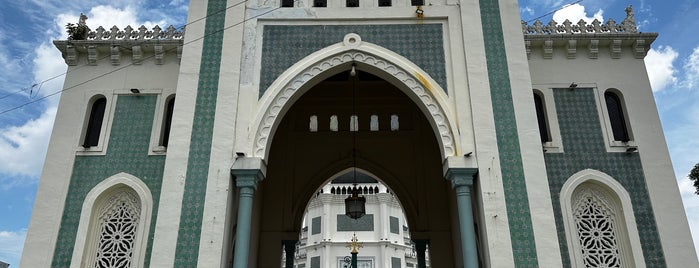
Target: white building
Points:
(382, 232)
(507, 144)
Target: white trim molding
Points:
(87, 229)
(399, 71)
(618, 200)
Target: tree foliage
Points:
(694, 176)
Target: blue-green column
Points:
(462, 182)
(248, 172)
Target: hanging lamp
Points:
(355, 205)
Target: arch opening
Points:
(383, 232)
(314, 143)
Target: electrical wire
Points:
(556, 10)
(131, 64)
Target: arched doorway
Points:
(394, 141)
(383, 233)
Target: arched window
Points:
(114, 224)
(599, 222)
(94, 122)
(116, 227)
(617, 118)
(540, 106)
(167, 121)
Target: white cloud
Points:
(527, 10)
(691, 70)
(23, 148)
(575, 13)
(11, 244)
(659, 63)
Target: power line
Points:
(40, 84)
(554, 11)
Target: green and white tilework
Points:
(521, 233)
(284, 45)
(187, 252)
(127, 152)
(583, 141)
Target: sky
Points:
(31, 71)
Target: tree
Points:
(694, 176)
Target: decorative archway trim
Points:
(399, 71)
(88, 215)
(615, 188)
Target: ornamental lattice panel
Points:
(118, 223)
(596, 228)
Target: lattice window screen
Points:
(597, 229)
(118, 222)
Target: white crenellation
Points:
(104, 44)
(566, 36)
(128, 33)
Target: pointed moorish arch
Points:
(396, 69)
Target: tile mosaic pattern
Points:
(347, 224)
(285, 45)
(584, 148)
(187, 252)
(523, 246)
(127, 152)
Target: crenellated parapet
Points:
(588, 38)
(140, 44)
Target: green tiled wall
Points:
(283, 45)
(584, 148)
(187, 252)
(523, 246)
(127, 152)
(347, 224)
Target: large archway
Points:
(394, 141)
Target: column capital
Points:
(248, 171)
(460, 176)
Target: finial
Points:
(355, 244)
(629, 23)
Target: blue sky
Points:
(31, 68)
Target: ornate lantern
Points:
(355, 205)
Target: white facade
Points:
(446, 118)
(387, 242)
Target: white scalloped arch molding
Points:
(311, 70)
